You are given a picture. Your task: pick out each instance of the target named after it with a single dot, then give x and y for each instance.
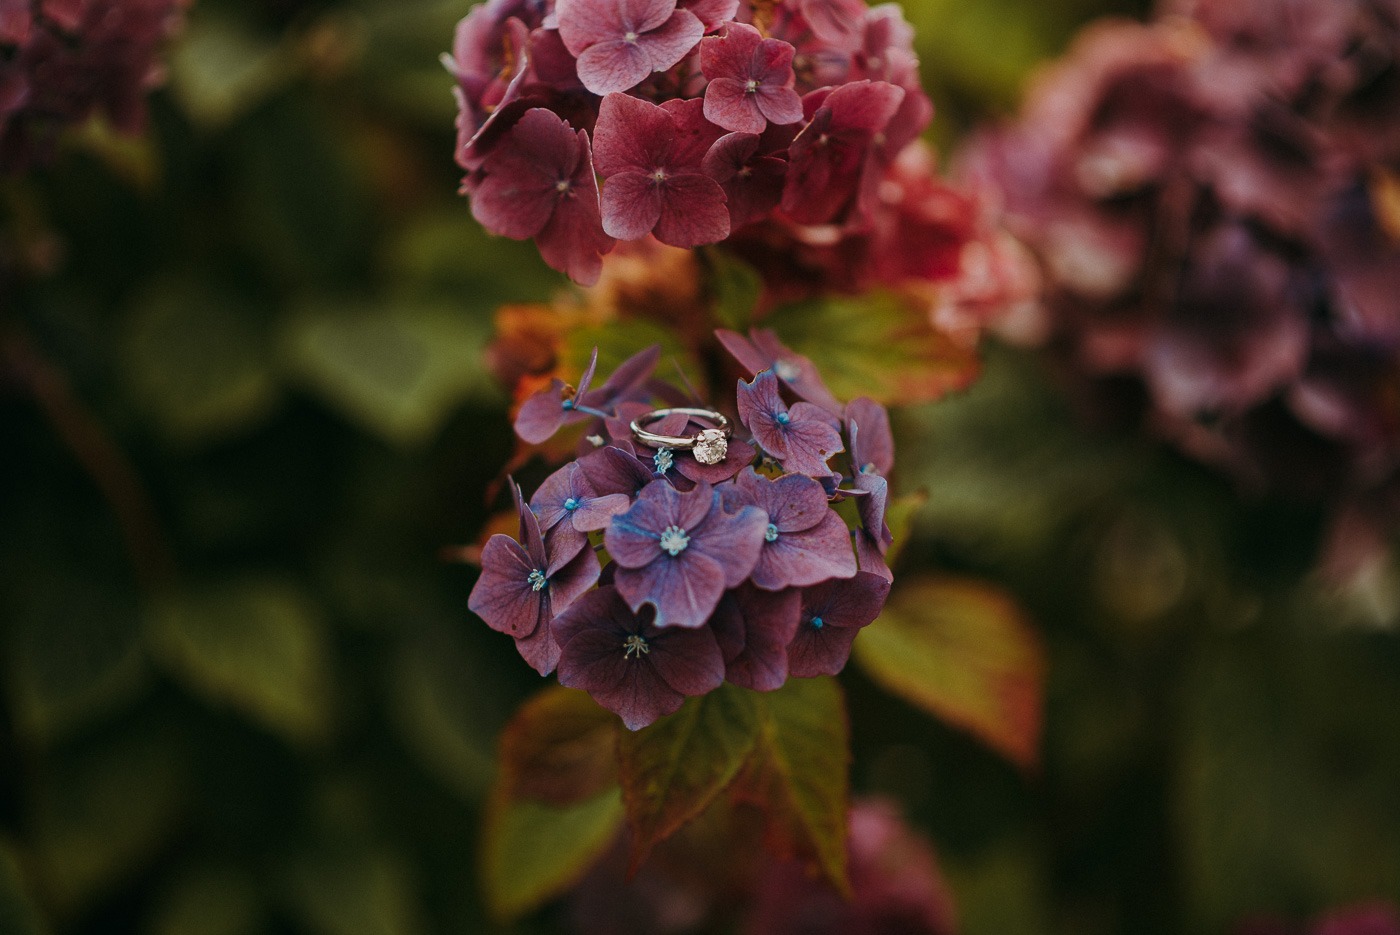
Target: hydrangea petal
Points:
(683, 588)
(502, 595)
(753, 629)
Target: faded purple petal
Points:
(763, 351)
(753, 629)
(832, 614)
(543, 414)
(614, 471)
(539, 649)
(633, 538)
(798, 439)
(503, 595)
(614, 65)
(733, 540)
(806, 557)
(872, 442)
(568, 583)
(683, 588)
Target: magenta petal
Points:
(753, 629)
(564, 542)
(870, 557)
(692, 213)
(673, 41)
(503, 596)
(612, 66)
(688, 660)
(694, 135)
(630, 134)
(779, 105)
(684, 589)
(793, 502)
(632, 206)
(807, 557)
(712, 13)
(729, 55)
(543, 414)
(730, 104)
(573, 241)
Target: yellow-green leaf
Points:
(963, 651)
(257, 645)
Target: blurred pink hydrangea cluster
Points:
(1215, 202)
(789, 126)
(63, 61)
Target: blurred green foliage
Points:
(244, 412)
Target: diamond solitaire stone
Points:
(710, 447)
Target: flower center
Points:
(751, 86)
(786, 371)
(674, 540)
(629, 36)
(663, 459)
(868, 468)
(561, 186)
(571, 504)
(537, 580)
(818, 623)
(567, 404)
(634, 644)
(783, 418)
(771, 533)
(595, 440)
(658, 175)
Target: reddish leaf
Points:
(555, 806)
(798, 774)
(672, 770)
(963, 651)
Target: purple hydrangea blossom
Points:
(650, 158)
(753, 628)
(538, 182)
(751, 80)
(762, 350)
(805, 542)
(554, 407)
(618, 43)
(872, 442)
(679, 551)
(569, 507)
(630, 666)
(523, 586)
(832, 614)
(801, 437)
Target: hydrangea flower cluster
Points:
(62, 61)
(1215, 201)
(701, 118)
(730, 564)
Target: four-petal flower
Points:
(680, 551)
(805, 541)
(751, 80)
(802, 437)
(832, 614)
(618, 43)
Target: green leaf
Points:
(219, 69)
(879, 346)
(900, 516)
(799, 777)
(399, 372)
(672, 770)
(101, 816)
(210, 900)
(735, 287)
(257, 645)
(437, 702)
(73, 651)
(555, 806)
(355, 891)
(197, 364)
(963, 651)
(18, 914)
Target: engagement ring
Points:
(708, 445)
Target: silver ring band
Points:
(710, 446)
